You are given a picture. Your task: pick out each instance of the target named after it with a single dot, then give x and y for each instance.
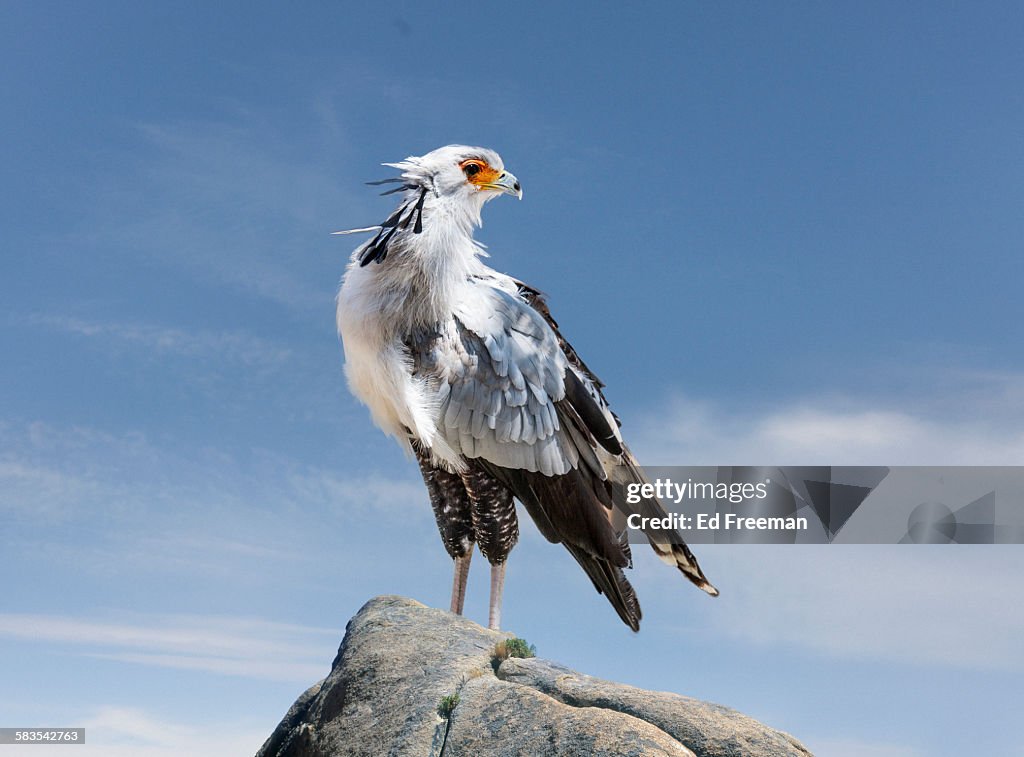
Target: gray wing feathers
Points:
(496, 372)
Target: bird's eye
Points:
(471, 169)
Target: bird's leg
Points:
(459, 581)
(497, 584)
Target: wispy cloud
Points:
(163, 342)
(925, 605)
(102, 506)
(51, 473)
(230, 202)
(952, 426)
(267, 670)
(136, 725)
(383, 496)
(40, 490)
(119, 731)
(58, 472)
(239, 373)
(247, 647)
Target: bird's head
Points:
(456, 180)
(456, 172)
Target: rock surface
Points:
(400, 658)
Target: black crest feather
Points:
(376, 250)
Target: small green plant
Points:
(447, 705)
(513, 648)
(520, 648)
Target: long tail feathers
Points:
(668, 544)
(681, 557)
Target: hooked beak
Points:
(507, 183)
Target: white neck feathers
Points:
(421, 280)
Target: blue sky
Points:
(781, 235)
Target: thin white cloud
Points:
(40, 490)
(51, 473)
(135, 725)
(189, 545)
(119, 731)
(935, 605)
(56, 472)
(247, 647)
(236, 346)
(240, 372)
(266, 670)
(171, 510)
(391, 497)
(232, 203)
(836, 431)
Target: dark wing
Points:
(586, 401)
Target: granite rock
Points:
(399, 659)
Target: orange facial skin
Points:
(479, 173)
